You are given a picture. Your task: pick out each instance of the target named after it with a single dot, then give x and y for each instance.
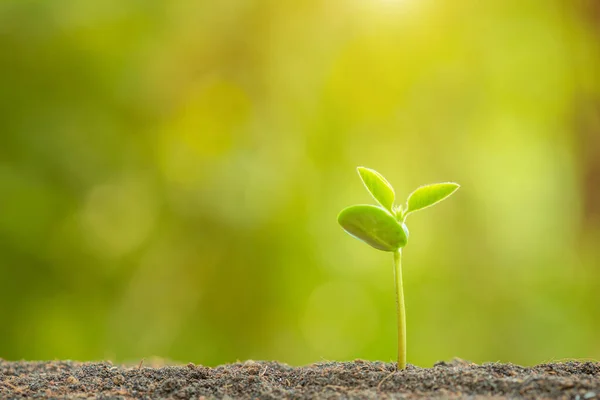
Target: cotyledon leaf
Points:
(374, 226)
(428, 195)
(378, 186)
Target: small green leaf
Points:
(428, 195)
(374, 226)
(378, 186)
(398, 212)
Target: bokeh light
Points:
(171, 173)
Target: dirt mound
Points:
(271, 380)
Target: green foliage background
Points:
(171, 173)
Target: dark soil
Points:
(270, 380)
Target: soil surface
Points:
(270, 380)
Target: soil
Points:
(271, 380)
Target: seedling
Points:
(384, 228)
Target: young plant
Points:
(384, 228)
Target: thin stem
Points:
(401, 310)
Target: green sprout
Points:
(384, 228)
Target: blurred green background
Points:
(171, 173)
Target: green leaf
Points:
(378, 186)
(374, 226)
(428, 195)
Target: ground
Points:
(270, 380)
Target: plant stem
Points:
(401, 310)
